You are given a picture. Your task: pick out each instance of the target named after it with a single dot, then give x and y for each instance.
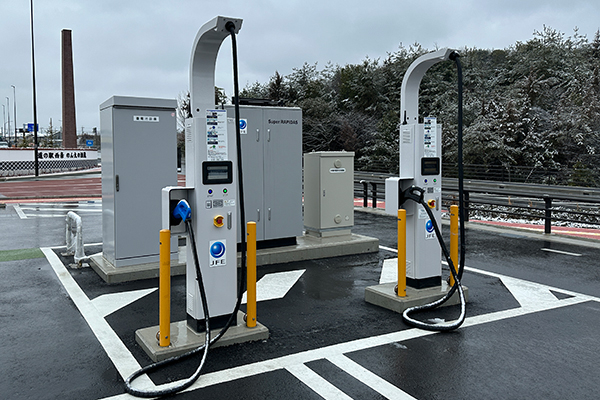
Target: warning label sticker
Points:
(216, 135)
(430, 137)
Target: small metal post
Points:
(251, 276)
(164, 289)
(548, 214)
(365, 193)
(401, 253)
(453, 240)
(374, 194)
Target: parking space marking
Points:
(370, 379)
(111, 302)
(126, 363)
(317, 383)
(566, 253)
(119, 354)
(19, 212)
(276, 285)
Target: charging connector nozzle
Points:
(182, 210)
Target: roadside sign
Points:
(89, 143)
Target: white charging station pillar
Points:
(210, 147)
(420, 165)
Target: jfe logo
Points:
(429, 230)
(217, 249)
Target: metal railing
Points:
(520, 200)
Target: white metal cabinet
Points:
(139, 143)
(272, 161)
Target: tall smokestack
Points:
(69, 127)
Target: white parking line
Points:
(561, 252)
(126, 363)
(20, 212)
(367, 377)
(317, 383)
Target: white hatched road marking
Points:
(276, 285)
(370, 379)
(126, 363)
(317, 383)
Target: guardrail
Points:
(550, 203)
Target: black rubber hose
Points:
(230, 26)
(456, 273)
(153, 367)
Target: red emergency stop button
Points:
(219, 221)
(431, 203)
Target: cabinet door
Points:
(283, 173)
(144, 162)
(252, 161)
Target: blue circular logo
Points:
(429, 226)
(242, 124)
(217, 250)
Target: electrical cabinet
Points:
(271, 141)
(329, 192)
(139, 144)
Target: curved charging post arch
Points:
(409, 94)
(204, 58)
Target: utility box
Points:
(271, 142)
(329, 193)
(139, 144)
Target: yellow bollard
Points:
(251, 276)
(453, 240)
(164, 289)
(402, 253)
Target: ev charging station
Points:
(211, 186)
(420, 181)
(420, 165)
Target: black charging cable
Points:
(230, 26)
(416, 194)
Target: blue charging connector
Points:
(182, 210)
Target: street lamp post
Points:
(35, 127)
(4, 118)
(8, 112)
(15, 110)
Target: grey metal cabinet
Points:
(139, 144)
(272, 168)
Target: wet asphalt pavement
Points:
(531, 332)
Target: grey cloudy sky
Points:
(142, 48)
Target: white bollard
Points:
(74, 237)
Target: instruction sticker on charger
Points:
(216, 135)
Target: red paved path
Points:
(85, 188)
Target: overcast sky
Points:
(142, 48)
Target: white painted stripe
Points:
(123, 360)
(261, 367)
(317, 383)
(388, 249)
(20, 212)
(389, 271)
(561, 252)
(60, 209)
(109, 303)
(276, 285)
(370, 379)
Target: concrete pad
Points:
(184, 339)
(384, 296)
(111, 274)
(307, 248)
